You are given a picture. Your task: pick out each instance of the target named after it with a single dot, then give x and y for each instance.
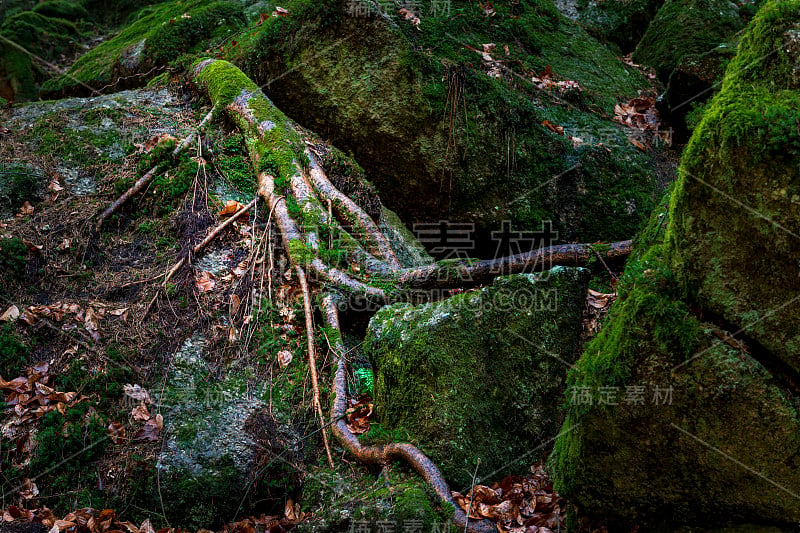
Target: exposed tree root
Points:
(274, 147)
(312, 359)
(382, 455)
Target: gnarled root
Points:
(381, 455)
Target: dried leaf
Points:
(284, 358)
(140, 412)
(137, 393)
(205, 282)
(231, 207)
(10, 314)
(117, 432)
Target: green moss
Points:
(19, 184)
(712, 254)
(28, 33)
(155, 39)
(684, 27)
(473, 138)
(341, 498)
(477, 353)
(13, 353)
(61, 9)
(621, 22)
(67, 447)
(744, 153)
(13, 258)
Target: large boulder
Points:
(448, 131)
(683, 27)
(479, 376)
(621, 22)
(700, 352)
(27, 35)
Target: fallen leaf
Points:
(10, 314)
(140, 412)
(31, 246)
(117, 432)
(205, 282)
(54, 186)
(26, 209)
(637, 144)
(151, 429)
(231, 207)
(410, 16)
(64, 245)
(136, 392)
(284, 358)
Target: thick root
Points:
(381, 455)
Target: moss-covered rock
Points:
(479, 375)
(209, 460)
(159, 35)
(62, 9)
(621, 22)
(700, 349)
(692, 84)
(439, 135)
(735, 233)
(27, 33)
(684, 27)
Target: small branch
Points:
(210, 237)
(144, 180)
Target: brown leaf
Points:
(140, 412)
(117, 432)
(205, 282)
(32, 246)
(231, 207)
(637, 144)
(26, 209)
(10, 314)
(149, 432)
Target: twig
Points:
(209, 238)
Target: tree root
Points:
(312, 360)
(382, 455)
(274, 147)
